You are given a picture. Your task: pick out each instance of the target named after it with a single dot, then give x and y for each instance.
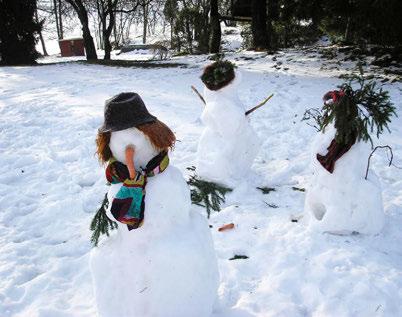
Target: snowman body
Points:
(228, 144)
(165, 268)
(343, 202)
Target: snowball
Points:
(228, 144)
(344, 201)
(165, 268)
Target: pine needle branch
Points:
(365, 109)
(206, 194)
(100, 223)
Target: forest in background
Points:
(194, 26)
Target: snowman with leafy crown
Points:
(343, 195)
(160, 262)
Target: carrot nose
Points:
(130, 151)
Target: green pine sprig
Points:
(365, 109)
(206, 194)
(100, 223)
(223, 69)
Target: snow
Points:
(343, 202)
(232, 40)
(228, 145)
(51, 184)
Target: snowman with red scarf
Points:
(339, 198)
(160, 262)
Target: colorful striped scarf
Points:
(129, 204)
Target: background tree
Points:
(82, 13)
(40, 22)
(125, 16)
(189, 21)
(215, 39)
(364, 21)
(195, 24)
(58, 14)
(106, 12)
(17, 32)
(259, 24)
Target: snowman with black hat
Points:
(160, 261)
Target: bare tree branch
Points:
(371, 154)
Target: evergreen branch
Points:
(206, 194)
(361, 112)
(100, 223)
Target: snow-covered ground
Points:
(51, 184)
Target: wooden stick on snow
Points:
(247, 112)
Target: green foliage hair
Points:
(361, 111)
(218, 74)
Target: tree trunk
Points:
(42, 42)
(145, 16)
(273, 15)
(259, 24)
(106, 40)
(171, 34)
(108, 47)
(101, 45)
(189, 36)
(109, 28)
(60, 20)
(56, 16)
(105, 10)
(82, 13)
(116, 36)
(89, 43)
(189, 32)
(315, 15)
(215, 40)
(348, 30)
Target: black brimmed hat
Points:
(125, 110)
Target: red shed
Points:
(72, 47)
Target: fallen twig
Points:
(238, 257)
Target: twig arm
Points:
(198, 94)
(247, 112)
(259, 105)
(371, 154)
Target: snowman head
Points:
(128, 123)
(218, 75)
